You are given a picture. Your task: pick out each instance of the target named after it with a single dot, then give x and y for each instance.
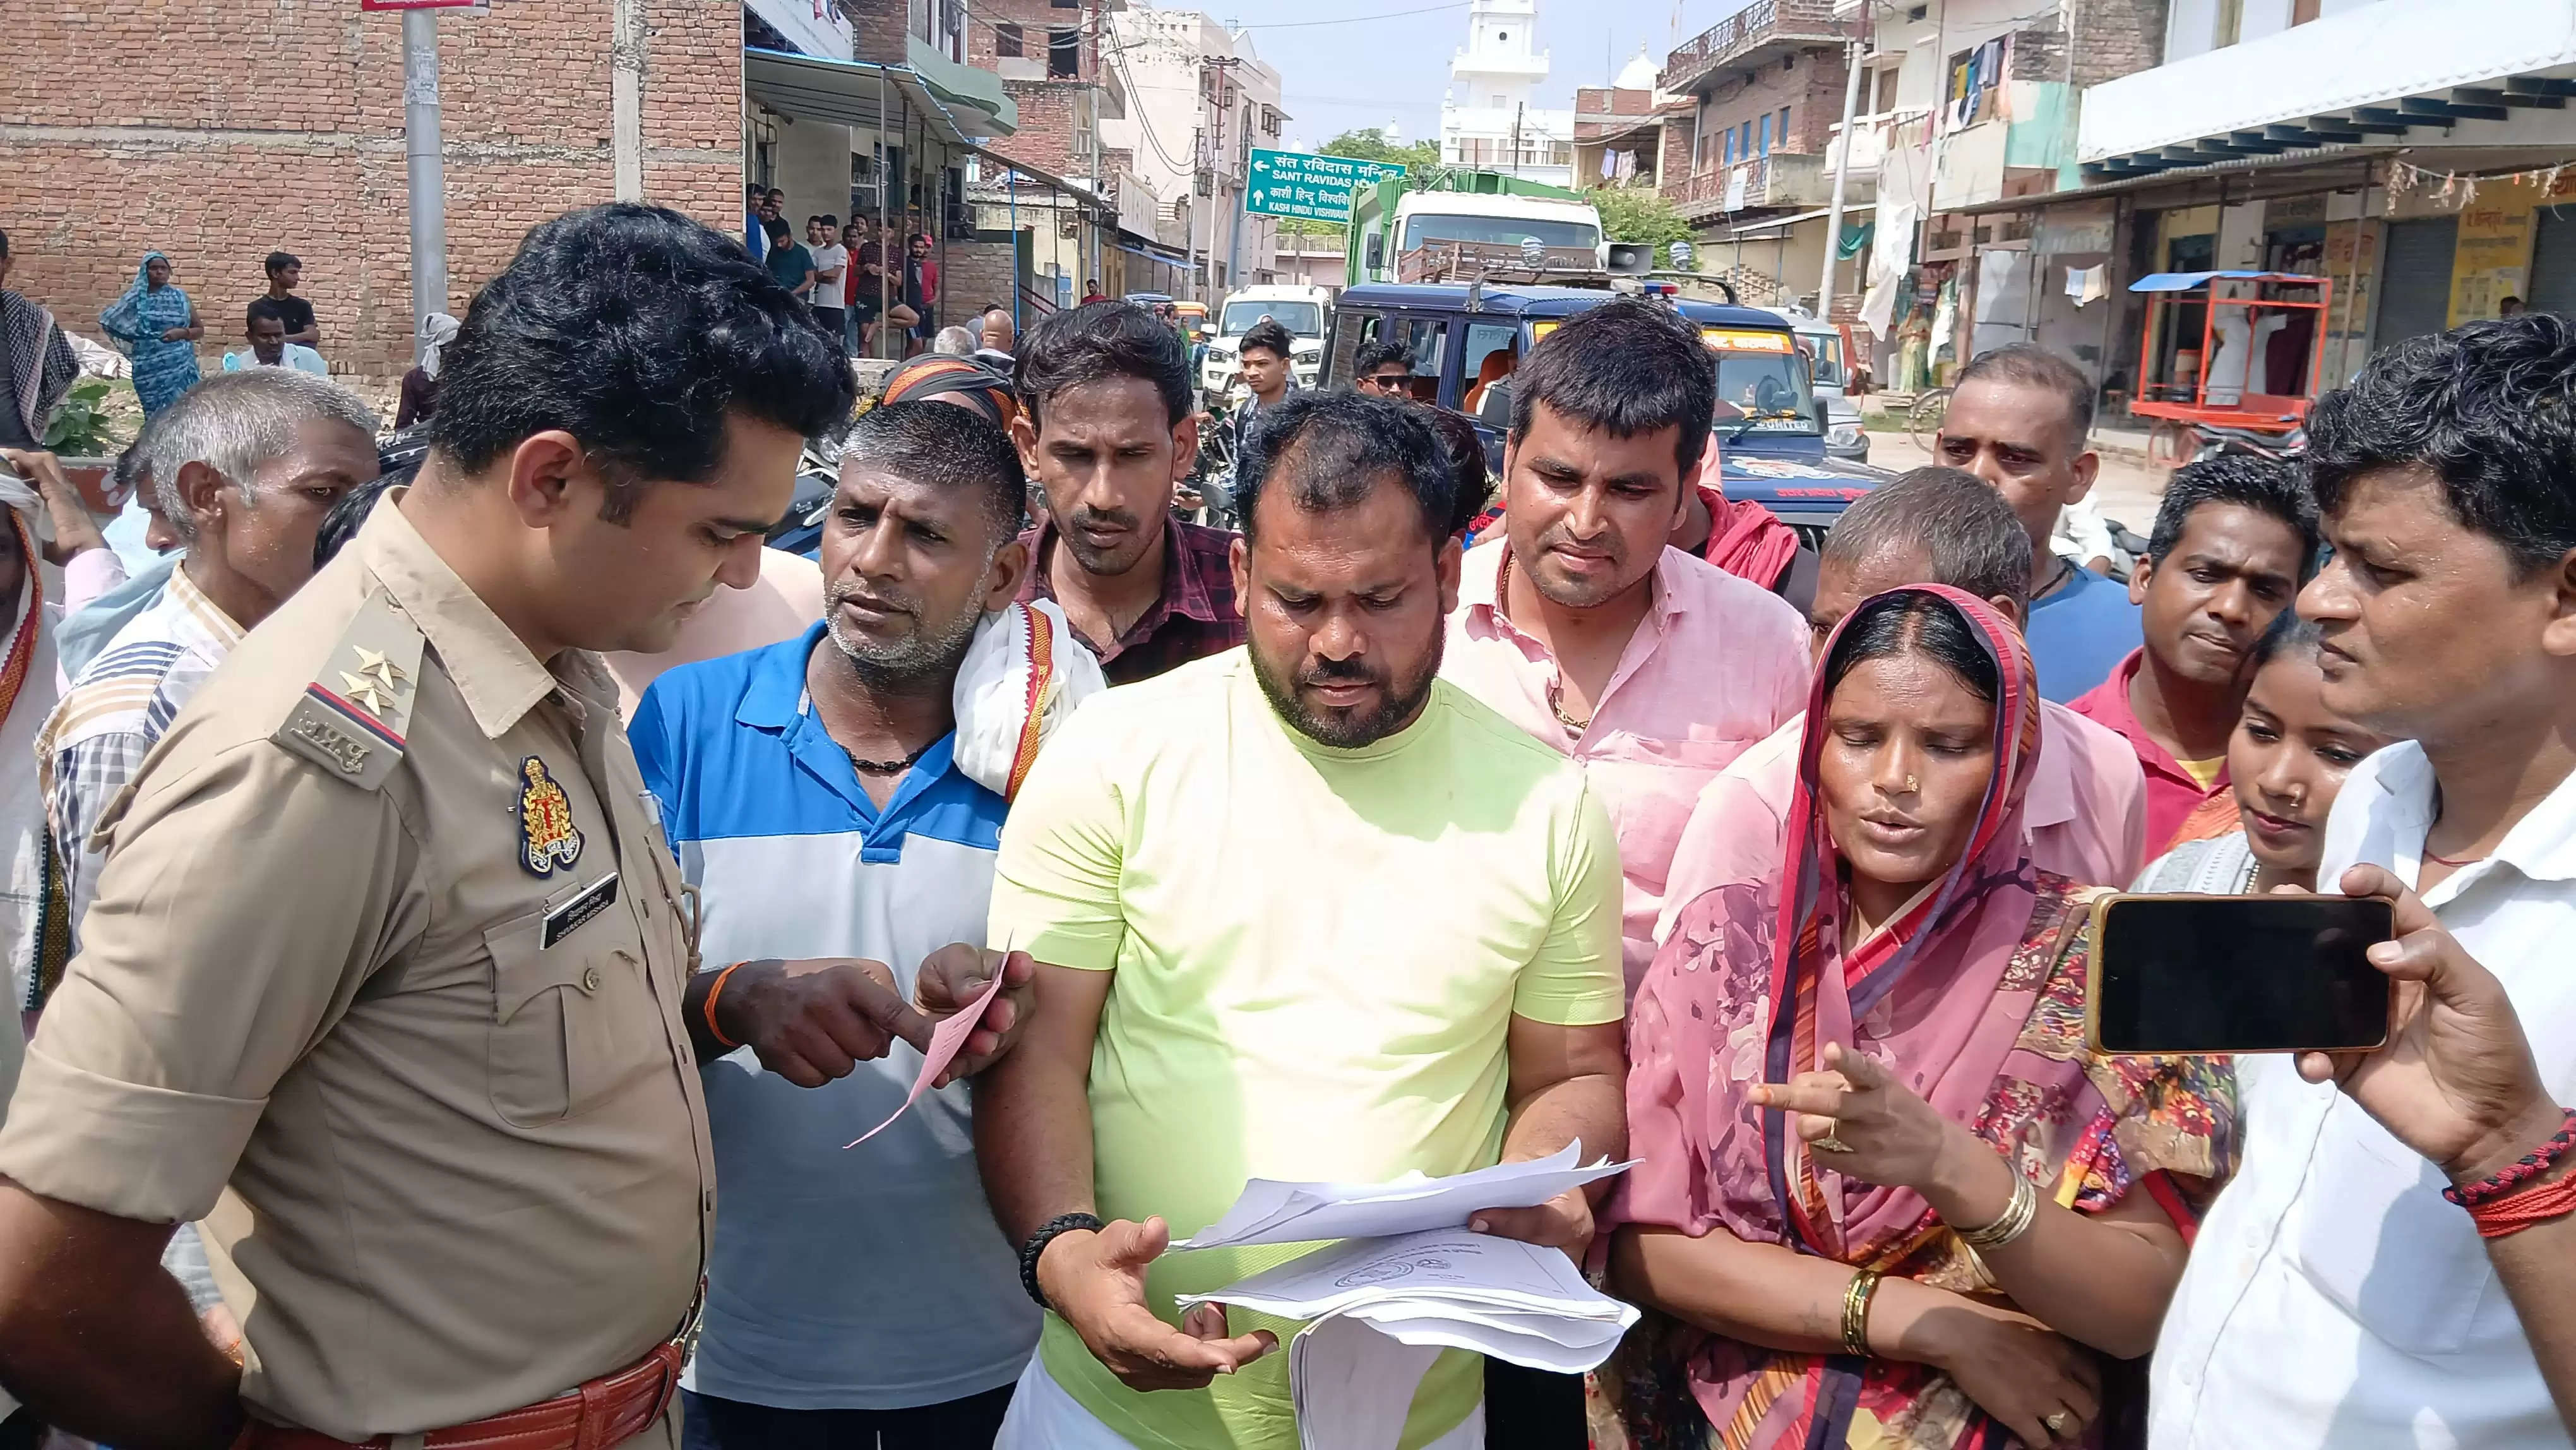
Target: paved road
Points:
(2126, 490)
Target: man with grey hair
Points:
(244, 466)
(2087, 810)
(144, 532)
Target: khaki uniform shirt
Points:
(436, 1107)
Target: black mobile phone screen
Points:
(2206, 974)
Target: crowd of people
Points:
(843, 272)
(462, 920)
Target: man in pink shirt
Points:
(2086, 813)
(1651, 667)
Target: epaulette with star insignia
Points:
(351, 718)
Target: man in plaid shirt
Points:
(1106, 429)
(245, 464)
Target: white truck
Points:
(1301, 310)
(1450, 225)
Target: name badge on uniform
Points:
(570, 917)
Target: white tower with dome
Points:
(1489, 119)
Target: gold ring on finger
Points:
(2060, 1423)
(1832, 1141)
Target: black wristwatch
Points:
(1036, 1246)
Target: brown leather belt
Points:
(594, 1415)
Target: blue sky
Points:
(1394, 64)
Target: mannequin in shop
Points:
(2240, 335)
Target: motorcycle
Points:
(818, 476)
(1212, 473)
(2217, 441)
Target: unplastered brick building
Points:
(219, 133)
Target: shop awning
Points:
(1149, 248)
(2398, 72)
(869, 94)
(2185, 281)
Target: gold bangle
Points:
(2020, 1212)
(1856, 1301)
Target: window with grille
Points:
(1064, 53)
(1006, 40)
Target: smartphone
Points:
(2226, 974)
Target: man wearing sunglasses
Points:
(1384, 369)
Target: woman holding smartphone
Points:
(1887, 1197)
(2288, 758)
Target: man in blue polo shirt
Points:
(2021, 418)
(860, 1297)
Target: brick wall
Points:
(976, 273)
(2114, 38)
(1809, 83)
(877, 29)
(1055, 127)
(1057, 133)
(1611, 101)
(219, 134)
(1680, 129)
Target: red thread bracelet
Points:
(707, 1009)
(2522, 1170)
(2515, 1212)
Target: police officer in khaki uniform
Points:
(383, 982)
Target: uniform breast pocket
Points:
(2382, 1241)
(554, 1041)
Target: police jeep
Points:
(1465, 339)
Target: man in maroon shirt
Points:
(2233, 540)
(1106, 429)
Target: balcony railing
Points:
(1760, 26)
(1781, 179)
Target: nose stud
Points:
(1911, 785)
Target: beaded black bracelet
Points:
(1036, 1246)
(2522, 1170)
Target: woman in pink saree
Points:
(1887, 1197)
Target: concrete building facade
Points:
(1199, 101)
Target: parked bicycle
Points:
(1923, 419)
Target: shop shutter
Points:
(2552, 286)
(2415, 279)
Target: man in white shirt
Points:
(823, 238)
(2334, 1298)
(265, 330)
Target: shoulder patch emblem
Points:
(352, 715)
(548, 840)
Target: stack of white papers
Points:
(1272, 1212)
(1516, 1301)
(1407, 1279)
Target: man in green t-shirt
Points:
(1302, 910)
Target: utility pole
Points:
(1842, 168)
(1517, 108)
(426, 169)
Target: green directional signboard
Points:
(1302, 184)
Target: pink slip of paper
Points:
(945, 1040)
